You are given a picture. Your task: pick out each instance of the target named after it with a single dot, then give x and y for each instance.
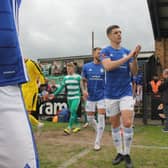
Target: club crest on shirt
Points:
(90, 69)
(101, 70)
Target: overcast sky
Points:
(52, 28)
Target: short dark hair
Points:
(96, 48)
(110, 28)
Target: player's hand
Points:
(85, 95)
(136, 51)
(51, 97)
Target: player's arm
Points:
(134, 64)
(59, 90)
(110, 65)
(134, 67)
(84, 82)
(84, 86)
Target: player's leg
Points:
(127, 114)
(113, 111)
(34, 108)
(90, 110)
(85, 120)
(29, 97)
(20, 151)
(35, 122)
(30, 100)
(69, 128)
(101, 123)
(74, 108)
(85, 115)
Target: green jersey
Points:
(72, 84)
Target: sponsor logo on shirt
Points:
(90, 69)
(123, 67)
(124, 55)
(9, 72)
(96, 77)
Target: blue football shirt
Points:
(95, 75)
(118, 81)
(12, 69)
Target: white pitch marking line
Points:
(75, 158)
(133, 146)
(150, 147)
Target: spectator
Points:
(53, 86)
(54, 69)
(155, 96)
(77, 69)
(64, 69)
(139, 88)
(154, 85)
(48, 87)
(43, 93)
(161, 113)
(163, 88)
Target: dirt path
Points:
(85, 137)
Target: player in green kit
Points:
(73, 84)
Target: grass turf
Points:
(55, 148)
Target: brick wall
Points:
(161, 47)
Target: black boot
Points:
(118, 159)
(128, 161)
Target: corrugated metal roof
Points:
(144, 54)
(159, 16)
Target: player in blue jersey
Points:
(119, 64)
(93, 79)
(16, 141)
(138, 88)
